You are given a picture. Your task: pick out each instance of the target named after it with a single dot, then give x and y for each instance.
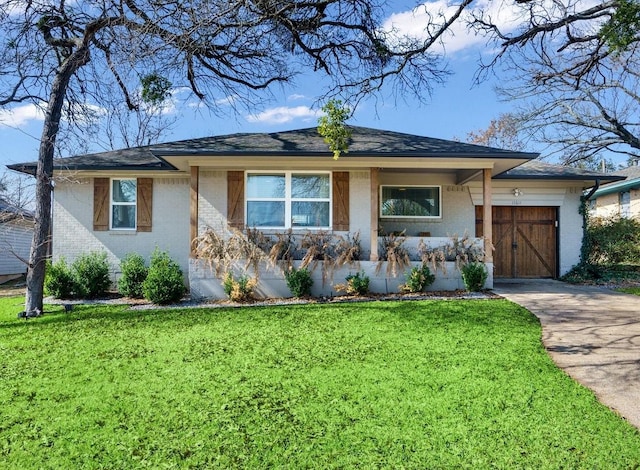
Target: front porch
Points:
(356, 207)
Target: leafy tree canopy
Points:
(332, 127)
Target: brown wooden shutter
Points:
(100, 204)
(235, 199)
(145, 204)
(341, 200)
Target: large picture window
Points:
(288, 199)
(410, 202)
(123, 204)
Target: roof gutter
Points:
(619, 187)
(593, 190)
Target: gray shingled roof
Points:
(365, 142)
(135, 158)
(536, 169)
(632, 181)
(307, 142)
(630, 172)
(9, 212)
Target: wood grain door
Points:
(525, 241)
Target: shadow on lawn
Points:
(471, 312)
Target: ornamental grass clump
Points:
(164, 283)
(393, 253)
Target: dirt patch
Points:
(14, 287)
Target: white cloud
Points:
(227, 100)
(20, 116)
(283, 114)
(295, 96)
(414, 23)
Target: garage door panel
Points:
(524, 239)
(533, 253)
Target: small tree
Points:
(332, 127)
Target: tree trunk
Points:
(44, 175)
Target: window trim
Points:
(287, 199)
(419, 217)
(113, 203)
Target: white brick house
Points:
(165, 195)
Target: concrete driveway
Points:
(592, 333)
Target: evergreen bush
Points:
(134, 272)
(59, 280)
(299, 282)
(474, 275)
(91, 272)
(164, 283)
(614, 240)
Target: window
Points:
(410, 202)
(287, 199)
(625, 204)
(123, 204)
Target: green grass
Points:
(629, 290)
(427, 384)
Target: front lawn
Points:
(422, 384)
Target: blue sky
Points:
(455, 108)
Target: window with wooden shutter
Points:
(341, 200)
(235, 199)
(101, 204)
(122, 204)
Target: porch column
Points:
(487, 216)
(193, 207)
(374, 215)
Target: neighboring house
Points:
(619, 198)
(165, 195)
(16, 232)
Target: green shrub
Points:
(134, 272)
(240, 289)
(59, 280)
(418, 279)
(299, 282)
(164, 283)
(602, 274)
(474, 275)
(357, 284)
(614, 240)
(91, 272)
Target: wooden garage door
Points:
(525, 241)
